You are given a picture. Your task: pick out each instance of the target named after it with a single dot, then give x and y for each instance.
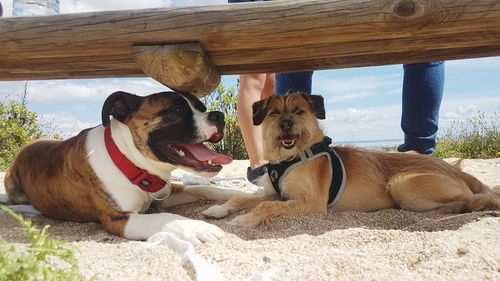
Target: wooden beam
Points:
(181, 67)
(252, 37)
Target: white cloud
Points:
(349, 96)
(470, 65)
(80, 107)
(459, 110)
(354, 83)
(50, 91)
(383, 122)
(184, 3)
(64, 124)
(11, 89)
(356, 87)
(363, 123)
(81, 6)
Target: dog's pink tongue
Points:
(203, 153)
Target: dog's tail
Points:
(13, 187)
(483, 197)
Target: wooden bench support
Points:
(181, 67)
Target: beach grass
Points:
(473, 138)
(41, 259)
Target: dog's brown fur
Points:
(375, 179)
(76, 176)
(96, 204)
(58, 179)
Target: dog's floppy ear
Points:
(259, 109)
(119, 105)
(318, 105)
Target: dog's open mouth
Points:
(288, 141)
(199, 157)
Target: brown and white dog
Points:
(363, 180)
(111, 173)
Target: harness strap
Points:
(277, 172)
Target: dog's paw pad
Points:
(216, 212)
(244, 221)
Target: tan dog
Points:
(363, 180)
(112, 173)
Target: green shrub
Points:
(19, 126)
(41, 259)
(476, 137)
(224, 100)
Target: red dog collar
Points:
(135, 175)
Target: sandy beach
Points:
(382, 245)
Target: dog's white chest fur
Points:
(127, 196)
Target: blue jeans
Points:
(423, 85)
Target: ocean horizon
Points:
(380, 143)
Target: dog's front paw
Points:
(194, 231)
(245, 220)
(216, 212)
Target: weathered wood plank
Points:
(253, 37)
(181, 67)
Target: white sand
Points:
(383, 245)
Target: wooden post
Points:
(250, 38)
(183, 67)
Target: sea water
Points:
(35, 7)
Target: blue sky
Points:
(362, 103)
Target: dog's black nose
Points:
(216, 117)
(286, 124)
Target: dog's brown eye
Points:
(299, 111)
(273, 113)
(176, 110)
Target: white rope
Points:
(204, 270)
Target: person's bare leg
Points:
(253, 87)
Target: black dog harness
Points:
(278, 171)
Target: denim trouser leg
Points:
(290, 82)
(423, 85)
